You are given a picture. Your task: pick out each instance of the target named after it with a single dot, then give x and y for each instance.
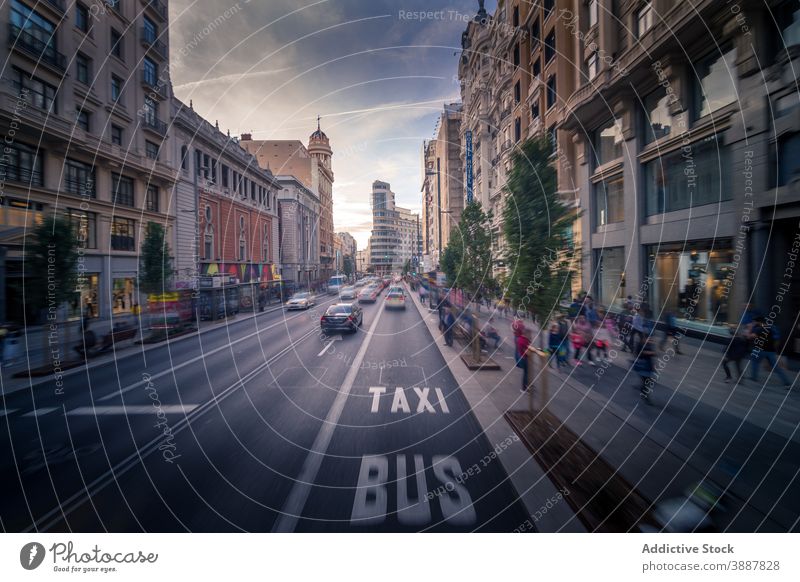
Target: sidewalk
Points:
(696, 425)
(32, 348)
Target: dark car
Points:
(342, 317)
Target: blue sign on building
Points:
(469, 166)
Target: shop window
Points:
(609, 201)
(84, 225)
(610, 263)
(692, 176)
(123, 295)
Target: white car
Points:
(347, 293)
(395, 298)
(300, 301)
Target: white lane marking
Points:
(329, 344)
(295, 503)
(132, 409)
(41, 411)
(202, 356)
(442, 403)
(8, 411)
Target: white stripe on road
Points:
(132, 409)
(330, 343)
(295, 503)
(202, 356)
(41, 411)
(8, 411)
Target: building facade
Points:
(227, 210)
(677, 142)
(443, 182)
(313, 166)
(85, 117)
(299, 208)
(515, 72)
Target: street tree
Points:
(540, 254)
(347, 265)
(155, 261)
(50, 272)
(467, 261)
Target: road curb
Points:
(534, 488)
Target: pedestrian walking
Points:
(557, 346)
(765, 347)
(735, 352)
(581, 338)
(448, 323)
(522, 344)
(671, 331)
(490, 331)
(643, 366)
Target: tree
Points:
(467, 260)
(155, 262)
(407, 267)
(347, 265)
(536, 224)
(50, 274)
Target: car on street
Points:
(368, 294)
(342, 317)
(347, 293)
(395, 298)
(335, 284)
(302, 300)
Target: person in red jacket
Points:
(522, 343)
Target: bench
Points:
(108, 341)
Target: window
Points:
(123, 234)
(83, 68)
(535, 110)
(82, 18)
(644, 19)
(515, 16)
(116, 135)
(184, 157)
(35, 33)
(516, 55)
(79, 178)
(252, 190)
(265, 243)
(151, 150)
(82, 119)
(150, 71)
(714, 85)
(150, 30)
(687, 177)
(608, 142)
(116, 44)
(21, 163)
(591, 66)
(208, 241)
(14, 212)
(536, 32)
(537, 68)
(787, 34)
(609, 202)
(551, 91)
(122, 190)
(40, 94)
(657, 118)
(550, 47)
(84, 225)
(242, 240)
(116, 88)
(592, 8)
(225, 171)
(517, 129)
(151, 200)
(548, 7)
(610, 274)
(150, 112)
(517, 92)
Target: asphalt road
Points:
(260, 425)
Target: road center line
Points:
(325, 349)
(295, 503)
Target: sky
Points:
(376, 72)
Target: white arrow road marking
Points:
(131, 409)
(40, 411)
(295, 503)
(329, 344)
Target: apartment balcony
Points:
(152, 85)
(156, 7)
(155, 125)
(150, 42)
(40, 51)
